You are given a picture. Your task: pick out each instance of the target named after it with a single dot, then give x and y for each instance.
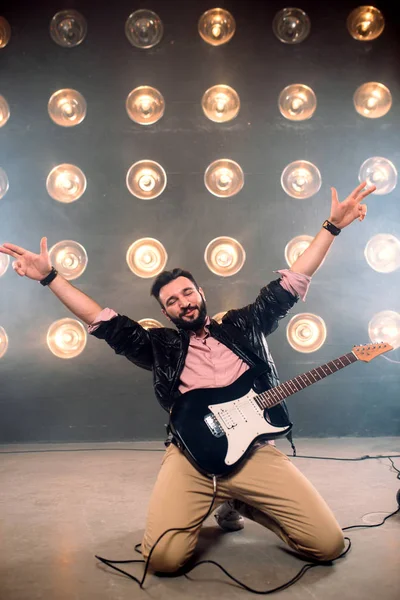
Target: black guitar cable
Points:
(297, 577)
(111, 563)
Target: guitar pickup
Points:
(226, 417)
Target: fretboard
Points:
(275, 395)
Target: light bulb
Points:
(297, 102)
(218, 316)
(3, 342)
(4, 263)
(291, 25)
(306, 332)
(224, 178)
(66, 183)
(365, 23)
(69, 258)
(220, 103)
(382, 253)
(372, 100)
(146, 179)
(4, 111)
(296, 247)
(145, 105)
(216, 26)
(385, 327)
(301, 179)
(146, 257)
(5, 32)
(66, 338)
(224, 256)
(68, 28)
(381, 172)
(144, 29)
(150, 323)
(3, 183)
(67, 108)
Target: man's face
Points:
(184, 304)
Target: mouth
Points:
(189, 313)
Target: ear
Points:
(202, 292)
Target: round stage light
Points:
(67, 108)
(66, 338)
(144, 29)
(68, 28)
(216, 26)
(145, 105)
(306, 332)
(301, 179)
(224, 256)
(291, 25)
(146, 257)
(66, 183)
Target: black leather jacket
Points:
(164, 350)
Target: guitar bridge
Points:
(213, 425)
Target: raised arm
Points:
(38, 266)
(342, 214)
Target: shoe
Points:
(228, 518)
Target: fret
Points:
(312, 377)
(260, 399)
(351, 358)
(345, 357)
(299, 382)
(267, 400)
(338, 363)
(275, 395)
(295, 384)
(316, 375)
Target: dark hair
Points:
(167, 276)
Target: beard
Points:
(193, 324)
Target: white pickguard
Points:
(242, 420)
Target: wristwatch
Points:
(331, 227)
(49, 278)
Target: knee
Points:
(166, 558)
(330, 546)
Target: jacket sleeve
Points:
(128, 338)
(263, 315)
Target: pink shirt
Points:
(208, 362)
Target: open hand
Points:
(28, 264)
(344, 213)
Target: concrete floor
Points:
(61, 505)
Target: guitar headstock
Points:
(370, 351)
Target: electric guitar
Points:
(216, 427)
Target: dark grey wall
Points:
(99, 396)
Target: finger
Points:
(362, 210)
(358, 189)
(335, 199)
(5, 250)
(43, 245)
(18, 268)
(14, 248)
(366, 193)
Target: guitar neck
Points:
(277, 394)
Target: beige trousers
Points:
(277, 495)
